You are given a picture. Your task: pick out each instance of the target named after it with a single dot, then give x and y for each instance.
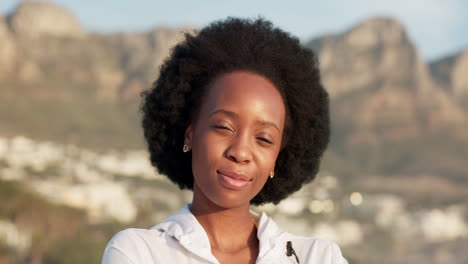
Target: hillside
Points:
(80, 88)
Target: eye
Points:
(265, 140)
(221, 127)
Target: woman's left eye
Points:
(265, 140)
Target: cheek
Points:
(204, 153)
(270, 157)
(268, 163)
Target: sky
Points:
(437, 27)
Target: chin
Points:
(227, 201)
(223, 198)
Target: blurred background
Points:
(393, 186)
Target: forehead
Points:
(245, 93)
(241, 84)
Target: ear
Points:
(188, 136)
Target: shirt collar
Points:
(184, 227)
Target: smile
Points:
(232, 180)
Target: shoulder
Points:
(133, 236)
(315, 250)
(132, 246)
(301, 249)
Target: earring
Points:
(272, 173)
(185, 148)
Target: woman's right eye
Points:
(221, 127)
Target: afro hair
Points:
(235, 44)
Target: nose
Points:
(239, 149)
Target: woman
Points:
(238, 115)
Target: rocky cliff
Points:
(33, 19)
(7, 50)
(452, 74)
(379, 85)
(52, 45)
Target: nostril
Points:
(231, 157)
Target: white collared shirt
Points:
(181, 239)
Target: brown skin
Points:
(238, 129)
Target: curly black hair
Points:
(235, 44)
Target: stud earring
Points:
(185, 148)
(272, 174)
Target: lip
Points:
(233, 180)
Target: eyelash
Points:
(265, 140)
(222, 127)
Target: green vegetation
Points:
(65, 113)
(437, 155)
(60, 234)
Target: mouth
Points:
(232, 180)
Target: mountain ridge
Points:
(85, 89)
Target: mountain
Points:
(51, 40)
(380, 87)
(62, 83)
(391, 111)
(451, 73)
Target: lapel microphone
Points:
(290, 251)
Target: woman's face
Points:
(235, 138)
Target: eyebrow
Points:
(236, 116)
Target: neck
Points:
(228, 229)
